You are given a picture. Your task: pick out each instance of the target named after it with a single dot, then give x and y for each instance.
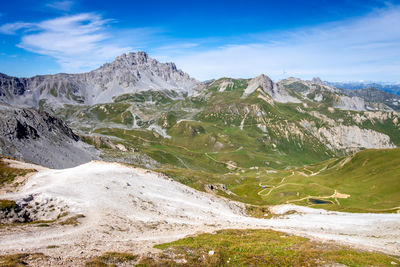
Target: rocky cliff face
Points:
(128, 73)
(37, 137)
(349, 138)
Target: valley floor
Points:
(98, 207)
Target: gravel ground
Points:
(130, 209)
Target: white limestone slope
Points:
(130, 209)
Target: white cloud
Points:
(12, 28)
(365, 48)
(78, 43)
(61, 5)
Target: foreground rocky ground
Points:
(85, 211)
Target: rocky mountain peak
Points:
(277, 92)
(264, 79)
(135, 58)
(317, 80)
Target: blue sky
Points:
(339, 40)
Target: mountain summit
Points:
(128, 73)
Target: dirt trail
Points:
(131, 209)
(274, 187)
(335, 196)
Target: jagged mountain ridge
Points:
(136, 72)
(128, 73)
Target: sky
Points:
(339, 40)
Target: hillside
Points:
(116, 208)
(225, 123)
(366, 181)
(37, 137)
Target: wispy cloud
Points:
(363, 48)
(12, 28)
(78, 43)
(61, 5)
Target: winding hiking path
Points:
(275, 187)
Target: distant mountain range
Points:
(138, 110)
(393, 88)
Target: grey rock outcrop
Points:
(37, 137)
(277, 92)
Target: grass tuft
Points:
(6, 204)
(72, 220)
(8, 174)
(18, 260)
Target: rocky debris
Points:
(37, 137)
(32, 208)
(128, 73)
(214, 188)
(11, 211)
(277, 92)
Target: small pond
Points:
(319, 201)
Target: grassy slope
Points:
(218, 133)
(260, 248)
(370, 177)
